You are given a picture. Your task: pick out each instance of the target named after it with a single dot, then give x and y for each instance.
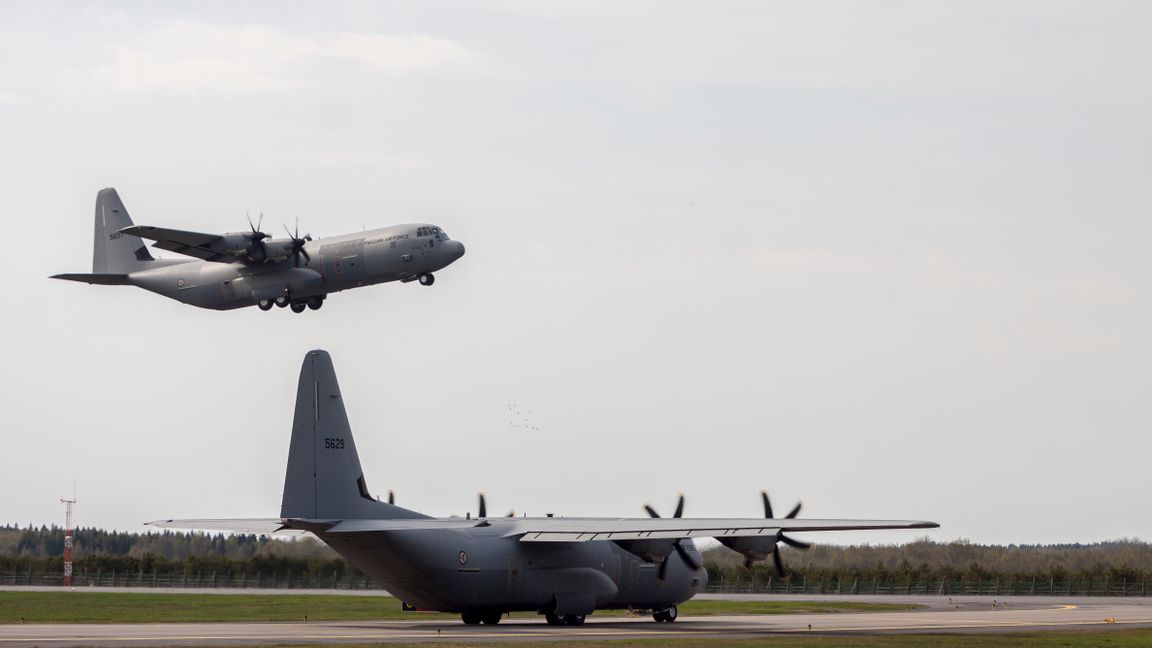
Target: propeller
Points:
(391, 498)
(688, 558)
(298, 245)
(780, 537)
(257, 237)
(484, 509)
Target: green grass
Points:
(114, 607)
(1133, 638)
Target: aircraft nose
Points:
(456, 249)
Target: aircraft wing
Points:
(193, 244)
(588, 529)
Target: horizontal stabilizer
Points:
(101, 278)
(249, 525)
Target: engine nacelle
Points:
(754, 548)
(238, 243)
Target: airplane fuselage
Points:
(396, 253)
(478, 569)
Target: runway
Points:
(962, 615)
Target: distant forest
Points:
(96, 550)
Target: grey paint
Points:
(396, 253)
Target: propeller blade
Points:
(779, 563)
(651, 511)
(510, 514)
(795, 511)
(391, 498)
(689, 559)
(662, 572)
(679, 507)
(767, 504)
(307, 257)
(794, 543)
(483, 507)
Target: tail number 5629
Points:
(334, 444)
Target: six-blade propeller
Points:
(689, 558)
(780, 537)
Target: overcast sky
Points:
(891, 258)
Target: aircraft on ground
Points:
(245, 268)
(483, 567)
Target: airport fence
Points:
(1032, 586)
(191, 579)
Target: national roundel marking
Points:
(463, 558)
(180, 283)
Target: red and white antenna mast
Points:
(68, 503)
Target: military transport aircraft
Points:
(245, 268)
(483, 567)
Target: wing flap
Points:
(589, 529)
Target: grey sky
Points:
(890, 258)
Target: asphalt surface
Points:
(956, 615)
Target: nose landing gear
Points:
(666, 616)
(426, 279)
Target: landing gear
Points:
(298, 307)
(265, 304)
(564, 619)
(426, 279)
(315, 303)
(473, 617)
(283, 301)
(665, 616)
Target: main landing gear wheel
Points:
(471, 618)
(265, 304)
(426, 279)
(283, 301)
(666, 616)
(491, 618)
(299, 307)
(564, 619)
(315, 303)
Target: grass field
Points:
(114, 607)
(1140, 638)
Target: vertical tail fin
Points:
(113, 252)
(324, 479)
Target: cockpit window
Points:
(431, 231)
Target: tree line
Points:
(40, 549)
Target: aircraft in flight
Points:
(482, 567)
(241, 269)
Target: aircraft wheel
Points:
(283, 301)
(491, 618)
(553, 619)
(574, 619)
(426, 279)
(315, 303)
(666, 616)
(299, 307)
(471, 618)
(265, 304)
